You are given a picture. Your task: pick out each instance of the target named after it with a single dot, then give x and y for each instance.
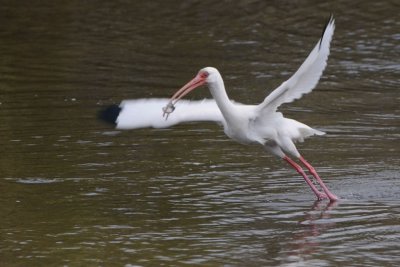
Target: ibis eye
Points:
(204, 75)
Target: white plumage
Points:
(144, 113)
(306, 77)
(245, 124)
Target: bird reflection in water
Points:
(315, 222)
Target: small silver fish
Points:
(168, 109)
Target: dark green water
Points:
(76, 192)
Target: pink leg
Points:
(331, 196)
(319, 194)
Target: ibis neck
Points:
(217, 89)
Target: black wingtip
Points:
(110, 114)
(326, 26)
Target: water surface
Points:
(75, 191)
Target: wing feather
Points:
(143, 113)
(305, 78)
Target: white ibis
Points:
(247, 124)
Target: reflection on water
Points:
(306, 242)
(75, 191)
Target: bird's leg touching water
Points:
(297, 167)
(332, 197)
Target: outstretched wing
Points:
(143, 113)
(305, 78)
